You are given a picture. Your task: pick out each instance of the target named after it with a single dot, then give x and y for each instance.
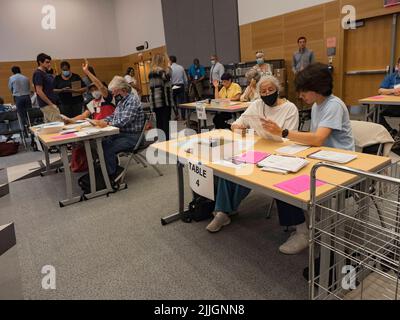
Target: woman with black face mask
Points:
(269, 106)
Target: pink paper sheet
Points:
(253, 157)
(297, 185)
(235, 107)
(64, 136)
(378, 97)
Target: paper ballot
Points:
(282, 163)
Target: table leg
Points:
(100, 153)
(48, 170)
(68, 179)
(181, 198)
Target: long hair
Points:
(158, 62)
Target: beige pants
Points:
(51, 114)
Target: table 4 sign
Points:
(201, 180)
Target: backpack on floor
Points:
(8, 148)
(199, 209)
(84, 181)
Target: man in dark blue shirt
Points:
(390, 86)
(44, 87)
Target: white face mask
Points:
(96, 95)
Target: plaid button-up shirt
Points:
(128, 115)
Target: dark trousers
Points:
(179, 98)
(388, 112)
(163, 116)
(289, 215)
(116, 144)
(23, 103)
(71, 110)
(220, 120)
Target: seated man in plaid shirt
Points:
(129, 118)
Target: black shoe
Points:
(118, 174)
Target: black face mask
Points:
(118, 98)
(271, 99)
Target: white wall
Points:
(254, 10)
(84, 28)
(139, 21)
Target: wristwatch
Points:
(285, 133)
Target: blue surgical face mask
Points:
(66, 73)
(260, 61)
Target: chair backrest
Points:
(35, 116)
(143, 133)
(10, 122)
(367, 134)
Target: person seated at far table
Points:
(129, 118)
(229, 90)
(230, 195)
(390, 86)
(330, 127)
(251, 92)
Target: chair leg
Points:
(139, 160)
(269, 211)
(143, 158)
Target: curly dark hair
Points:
(315, 77)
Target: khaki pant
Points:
(51, 114)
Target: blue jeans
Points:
(230, 195)
(116, 144)
(23, 103)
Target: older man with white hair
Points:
(129, 118)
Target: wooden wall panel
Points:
(267, 33)
(317, 24)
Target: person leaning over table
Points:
(330, 127)
(269, 105)
(390, 86)
(251, 92)
(231, 91)
(129, 118)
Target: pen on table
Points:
(289, 156)
(308, 156)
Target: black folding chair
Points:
(135, 153)
(11, 124)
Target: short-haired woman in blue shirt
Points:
(330, 127)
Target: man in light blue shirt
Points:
(179, 82)
(20, 88)
(390, 86)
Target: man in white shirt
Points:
(217, 69)
(179, 81)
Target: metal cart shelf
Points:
(355, 237)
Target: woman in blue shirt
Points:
(330, 127)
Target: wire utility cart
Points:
(355, 237)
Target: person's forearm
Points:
(42, 96)
(307, 138)
(216, 91)
(98, 84)
(386, 91)
(82, 116)
(236, 98)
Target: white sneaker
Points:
(295, 244)
(220, 220)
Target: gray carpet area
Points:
(116, 248)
